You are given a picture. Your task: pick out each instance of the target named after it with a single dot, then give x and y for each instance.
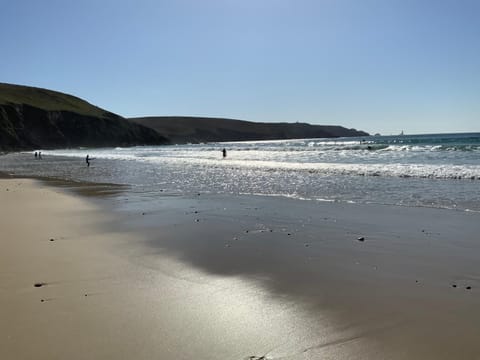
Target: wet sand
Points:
(215, 277)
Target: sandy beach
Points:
(233, 277)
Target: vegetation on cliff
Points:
(33, 118)
(39, 118)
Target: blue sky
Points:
(380, 66)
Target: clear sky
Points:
(376, 65)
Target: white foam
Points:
(347, 162)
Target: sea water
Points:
(441, 170)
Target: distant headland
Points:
(186, 129)
(33, 118)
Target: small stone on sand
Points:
(39, 284)
(361, 238)
(468, 287)
(454, 285)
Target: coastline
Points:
(233, 277)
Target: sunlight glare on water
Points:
(421, 170)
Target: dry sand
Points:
(233, 278)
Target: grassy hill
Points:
(47, 100)
(39, 118)
(33, 118)
(181, 129)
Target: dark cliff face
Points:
(37, 118)
(197, 129)
(26, 127)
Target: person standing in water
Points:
(36, 155)
(40, 155)
(224, 152)
(88, 159)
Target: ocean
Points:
(440, 170)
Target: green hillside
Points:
(34, 118)
(47, 100)
(39, 118)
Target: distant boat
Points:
(401, 134)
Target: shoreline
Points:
(79, 187)
(194, 169)
(252, 277)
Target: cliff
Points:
(33, 118)
(199, 129)
(38, 118)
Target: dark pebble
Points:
(454, 285)
(86, 295)
(143, 213)
(42, 300)
(52, 239)
(361, 238)
(468, 287)
(197, 220)
(39, 284)
(289, 234)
